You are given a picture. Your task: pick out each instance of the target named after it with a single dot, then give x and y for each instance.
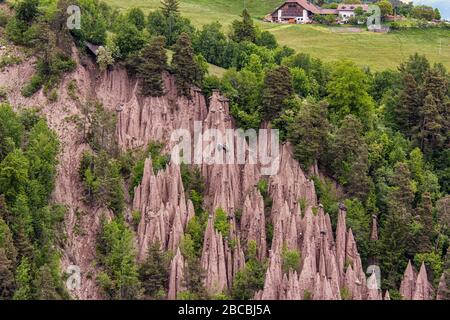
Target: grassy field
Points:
(378, 51)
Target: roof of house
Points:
(92, 47)
(310, 7)
(352, 7)
(305, 4)
(329, 11)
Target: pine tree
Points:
(185, 66)
(395, 238)
(408, 109)
(118, 257)
(23, 244)
(393, 246)
(417, 66)
(4, 212)
(154, 272)
(425, 214)
(402, 194)
(436, 84)
(429, 132)
(244, 30)
(46, 288)
(170, 7)
(349, 158)
(193, 279)
(6, 242)
(136, 16)
(6, 276)
(153, 62)
(309, 133)
(23, 281)
(277, 89)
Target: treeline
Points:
(30, 225)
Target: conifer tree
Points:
(6, 242)
(277, 89)
(409, 104)
(425, 215)
(23, 281)
(430, 135)
(152, 62)
(45, 286)
(395, 238)
(349, 158)
(309, 133)
(436, 84)
(6, 276)
(170, 7)
(154, 272)
(23, 244)
(244, 30)
(417, 65)
(185, 66)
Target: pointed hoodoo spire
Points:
(423, 288)
(341, 233)
(176, 275)
(408, 283)
(442, 289)
(374, 234)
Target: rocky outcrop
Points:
(330, 263)
(253, 222)
(220, 262)
(144, 119)
(442, 291)
(321, 275)
(176, 275)
(165, 212)
(408, 284)
(415, 286)
(423, 289)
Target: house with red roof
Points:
(303, 11)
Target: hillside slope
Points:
(378, 51)
(330, 263)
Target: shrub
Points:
(136, 216)
(251, 278)
(104, 58)
(33, 86)
(221, 222)
(345, 294)
(72, 89)
(290, 260)
(16, 31)
(9, 60)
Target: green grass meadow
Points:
(378, 51)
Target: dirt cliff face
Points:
(329, 264)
